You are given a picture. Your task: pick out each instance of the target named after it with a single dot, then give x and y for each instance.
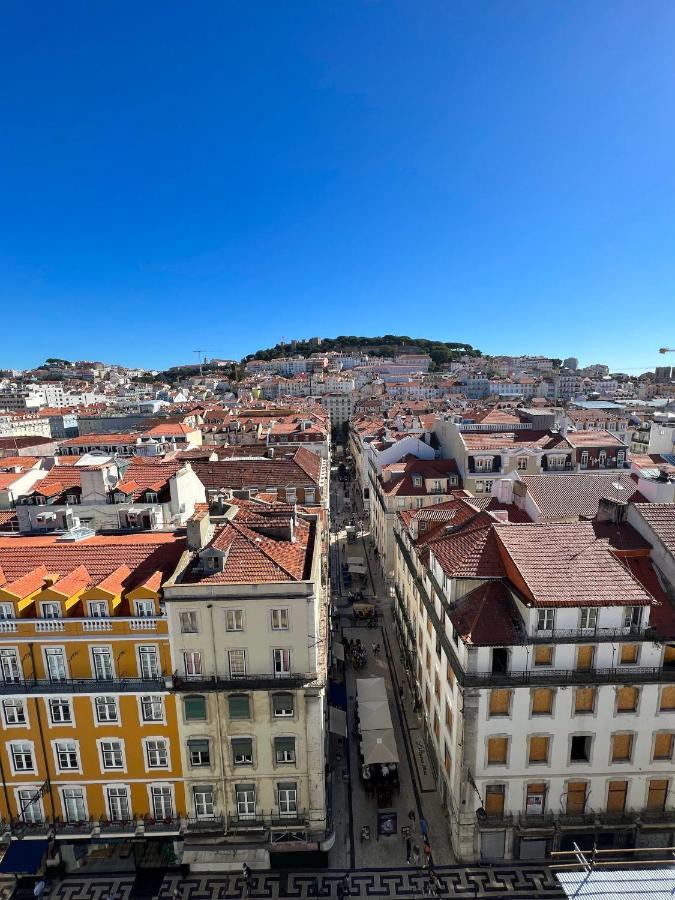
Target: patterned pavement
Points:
(508, 881)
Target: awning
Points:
(370, 689)
(374, 715)
(337, 694)
(337, 721)
(24, 857)
(356, 561)
(379, 747)
(357, 569)
(338, 650)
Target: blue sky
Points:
(218, 175)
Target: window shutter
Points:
(669, 655)
(658, 789)
(584, 700)
(497, 750)
(499, 702)
(629, 653)
(576, 796)
(286, 745)
(668, 697)
(663, 745)
(616, 796)
(626, 699)
(621, 747)
(585, 657)
(542, 701)
(543, 655)
(196, 745)
(239, 706)
(538, 749)
(494, 800)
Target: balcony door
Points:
(282, 662)
(55, 660)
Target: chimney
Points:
(198, 527)
(505, 490)
(610, 510)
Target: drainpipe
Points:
(209, 606)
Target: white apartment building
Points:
(339, 408)
(248, 624)
(543, 658)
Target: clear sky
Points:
(217, 175)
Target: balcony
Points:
(83, 829)
(212, 825)
(503, 820)
(536, 822)
(84, 685)
(577, 820)
(29, 830)
(262, 681)
(272, 821)
(167, 825)
(111, 827)
(595, 635)
(545, 676)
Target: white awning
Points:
(379, 747)
(374, 715)
(338, 650)
(337, 721)
(357, 569)
(370, 689)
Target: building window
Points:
(6, 611)
(152, 708)
(237, 661)
(282, 705)
(577, 796)
(118, 804)
(584, 459)
(584, 701)
(60, 712)
(239, 706)
(188, 622)
(500, 702)
(22, 756)
(627, 699)
(497, 751)
(588, 619)
(545, 619)
(282, 662)
(157, 754)
(192, 662)
(103, 663)
(203, 797)
(242, 751)
(279, 620)
(30, 806)
(542, 701)
(494, 800)
(9, 666)
(284, 750)
(144, 608)
(585, 658)
(74, 805)
(522, 463)
(198, 752)
(234, 620)
(543, 656)
(112, 756)
(539, 749)
(66, 755)
(148, 662)
(629, 654)
(55, 663)
(51, 610)
(287, 798)
(245, 799)
(663, 745)
(162, 805)
(616, 796)
(632, 618)
(194, 708)
(622, 747)
(15, 712)
(106, 709)
(580, 748)
(98, 609)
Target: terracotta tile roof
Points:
(487, 616)
(8, 519)
(74, 581)
(566, 495)
(148, 474)
(58, 480)
(301, 469)
(25, 584)
(598, 438)
(11, 444)
(21, 462)
(101, 555)
(7, 479)
(170, 429)
(401, 483)
(96, 440)
(526, 439)
(661, 519)
(464, 544)
(256, 558)
(566, 565)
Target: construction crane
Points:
(199, 358)
(666, 349)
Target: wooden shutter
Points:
(500, 702)
(448, 715)
(626, 699)
(622, 744)
(668, 697)
(585, 657)
(658, 789)
(542, 701)
(536, 787)
(663, 745)
(576, 797)
(629, 653)
(497, 750)
(447, 762)
(538, 749)
(494, 800)
(616, 796)
(543, 655)
(450, 675)
(584, 700)
(669, 655)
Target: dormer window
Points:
(417, 480)
(151, 497)
(120, 497)
(72, 499)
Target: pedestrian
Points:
(416, 855)
(374, 647)
(377, 649)
(346, 886)
(426, 846)
(408, 848)
(39, 888)
(424, 830)
(401, 692)
(176, 893)
(411, 816)
(246, 872)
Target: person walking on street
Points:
(416, 855)
(246, 872)
(408, 849)
(39, 889)
(401, 693)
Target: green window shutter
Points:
(239, 706)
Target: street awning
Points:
(357, 569)
(379, 747)
(370, 689)
(24, 857)
(374, 715)
(356, 560)
(337, 722)
(338, 650)
(337, 694)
